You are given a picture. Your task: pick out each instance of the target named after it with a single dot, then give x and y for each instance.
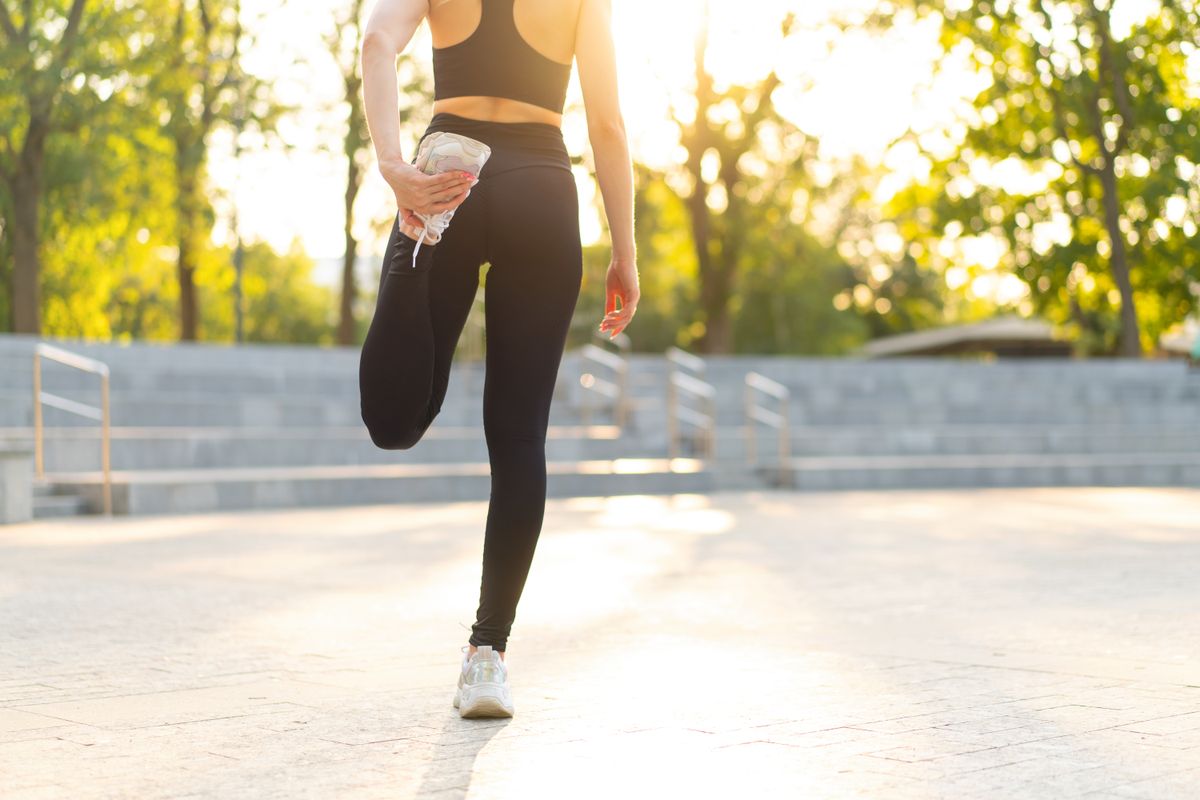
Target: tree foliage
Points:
(1080, 156)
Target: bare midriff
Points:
(497, 109)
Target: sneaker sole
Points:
(483, 706)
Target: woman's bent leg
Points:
(404, 367)
(531, 291)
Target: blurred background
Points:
(810, 176)
(882, 244)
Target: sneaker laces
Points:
(435, 223)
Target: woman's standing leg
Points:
(530, 295)
(404, 368)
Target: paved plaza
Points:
(1005, 643)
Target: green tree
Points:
(764, 281)
(108, 224)
(1103, 120)
(200, 86)
(724, 128)
(60, 62)
(283, 303)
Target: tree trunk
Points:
(27, 187)
(357, 139)
(27, 268)
(715, 273)
(186, 262)
(346, 323)
(714, 298)
(1130, 342)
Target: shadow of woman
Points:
(458, 746)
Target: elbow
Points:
(608, 130)
(377, 42)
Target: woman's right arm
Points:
(388, 31)
(595, 54)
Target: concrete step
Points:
(280, 411)
(851, 373)
(141, 448)
(951, 385)
(192, 491)
(274, 411)
(979, 439)
(78, 449)
(51, 501)
(59, 505)
(905, 472)
(873, 412)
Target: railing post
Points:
(105, 444)
(40, 350)
(785, 438)
(750, 432)
(615, 389)
(39, 463)
(672, 422)
(711, 437)
(622, 414)
(755, 413)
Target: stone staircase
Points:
(903, 423)
(200, 427)
(211, 427)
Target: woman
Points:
(501, 69)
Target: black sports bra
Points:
(495, 61)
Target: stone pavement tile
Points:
(1074, 718)
(1070, 783)
(16, 723)
(925, 745)
(1181, 784)
(976, 765)
(160, 708)
(987, 726)
(924, 721)
(1064, 772)
(358, 729)
(1167, 724)
(803, 735)
(1173, 748)
(913, 770)
(15, 693)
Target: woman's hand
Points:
(621, 282)
(418, 193)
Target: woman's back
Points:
(503, 60)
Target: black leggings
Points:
(522, 218)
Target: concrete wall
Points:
(16, 485)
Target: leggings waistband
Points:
(514, 144)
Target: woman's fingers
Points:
(453, 202)
(444, 180)
(617, 320)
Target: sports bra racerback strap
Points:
(496, 61)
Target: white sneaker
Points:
(483, 685)
(442, 151)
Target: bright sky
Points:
(854, 91)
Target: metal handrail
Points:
(686, 360)
(42, 350)
(757, 384)
(616, 389)
(680, 383)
